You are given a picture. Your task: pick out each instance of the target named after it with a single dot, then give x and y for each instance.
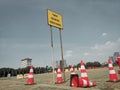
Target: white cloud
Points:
(105, 50)
(99, 52)
(104, 34)
(86, 54)
(68, 53)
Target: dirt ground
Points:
(45, 82)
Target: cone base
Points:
(30, 84)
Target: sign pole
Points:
(52, 49)
(63, 68)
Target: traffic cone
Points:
(59, 75)
(83, 71)
(30, 76)
(112, 74)
(72, 70)
(85, 82)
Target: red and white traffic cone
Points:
(112, 74)
(84, 83)
(84, 80)
(59, 75)
(30, 76)
(72, 70)
(83, 71)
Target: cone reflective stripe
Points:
(82, 82)
(31, 70)
(30, 76)
(83, 71)
(59, 75)
(72, 70)
(112, 73)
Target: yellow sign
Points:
(55, 19)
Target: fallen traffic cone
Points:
(30, 80)
(72, 70)
(112, 74)
(83, 71)
(59, 75)
(84, 83)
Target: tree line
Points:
(38, 70)
(14, 72)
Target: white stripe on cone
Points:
(112, 71)
(30, 76)
(110, 65)
(31, 70)
(84, 83)
(90, 83)
(58, 70)
(82, 67)
(84, 75)
(59, 75)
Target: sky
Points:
(91, 31)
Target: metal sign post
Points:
(63, 68)
(52, 49)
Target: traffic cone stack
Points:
(59, 75)
(112, 74)
(30, 76)
(72, 70)
(84, 80)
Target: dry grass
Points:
(45, 82)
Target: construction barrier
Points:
(19, 76)
(26, 75)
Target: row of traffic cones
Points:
(83, 80)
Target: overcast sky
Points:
(91, 31)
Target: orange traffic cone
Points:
(112, 74)
(30, 76)
(83, 71)
(72, 70)
(59, 75)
